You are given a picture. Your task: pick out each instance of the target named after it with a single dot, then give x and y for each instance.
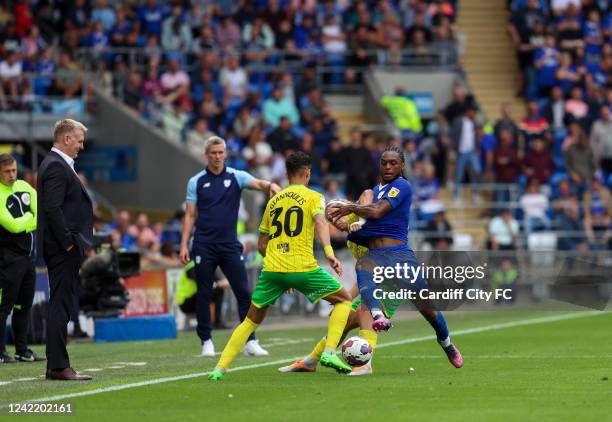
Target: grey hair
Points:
(66, 126)
(214, 140)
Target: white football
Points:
(356, 351)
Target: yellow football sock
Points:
(370, 336)
(236, 343)
(319, 348)
(336, 324)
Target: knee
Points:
(256, 314)
(242, 293)
(344, 296)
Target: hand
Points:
(184, 255)
(89, 253)
(335, 264)
(338, 211)
(355, 227)
(273, 189)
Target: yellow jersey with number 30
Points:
(289, 223)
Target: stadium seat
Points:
(542, 241)
(463, 242)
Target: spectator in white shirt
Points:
(174, 81)
(465, 143)
(234, 80)
(503, 231)
(258, 154)
(10, 74)
(535, 204)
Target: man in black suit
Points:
(65, 227)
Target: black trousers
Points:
(63, 280)
(17, 284)
(228, 256)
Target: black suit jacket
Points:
(65, 211)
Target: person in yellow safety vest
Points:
(505, 278)
(403, 111)
(186, 293)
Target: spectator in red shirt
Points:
(533, 125)
(539, 163)
(507, 164)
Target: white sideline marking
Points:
(24, 379)
(115, 367)
(131, 363)
(5, 382)
(93, 370)
(286, 342)
(496, 357)
(493, 327)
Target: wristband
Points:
(329, 251)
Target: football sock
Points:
(315, 356)
(236, 343)
(439, 325)
(336, 324)
(370, 336)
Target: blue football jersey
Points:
(217, 199)
(395, 223)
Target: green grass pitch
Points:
(520, 365)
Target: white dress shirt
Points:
(66, 158)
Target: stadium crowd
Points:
(564, 52)
(177, 45)
(250, 72)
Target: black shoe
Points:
(6, 358)
(29, 356)
(79, 334)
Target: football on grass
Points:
(356, 351)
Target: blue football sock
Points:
(366, 289)
(439, 325)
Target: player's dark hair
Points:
(296, 162)
(392, 148)
(6, 159)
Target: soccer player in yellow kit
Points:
(286, 234)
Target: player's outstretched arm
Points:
(322, 231)
(270, 188)
(188, 223)
(366, 197)
(370, 211)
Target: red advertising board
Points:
(148, 294)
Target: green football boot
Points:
(333, 361)
(215, 375)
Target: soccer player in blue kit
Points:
(385, 234)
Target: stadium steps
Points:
(472, 221)
(490, 59)
(348, 112)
